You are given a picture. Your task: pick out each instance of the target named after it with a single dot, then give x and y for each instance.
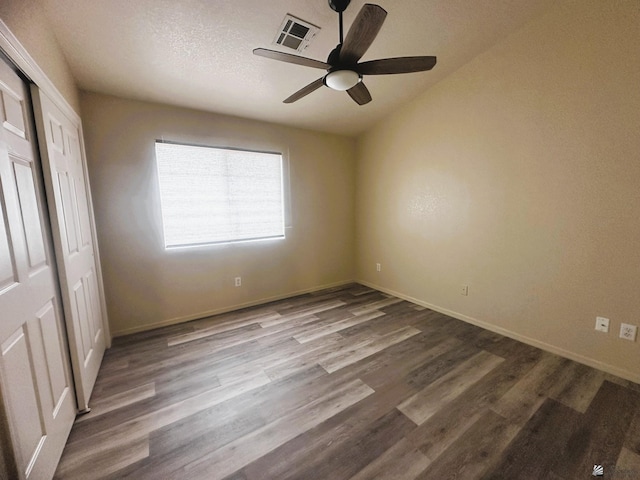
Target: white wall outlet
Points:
(602, 324)
(238, 281)
(464, 290)
(628, 332)
(378, 267)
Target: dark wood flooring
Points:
(348, 383)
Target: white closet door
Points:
(70, 209)
(36, 391)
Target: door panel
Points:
(30, 215)
(8, 274)
(94, 304)
(12, 113)
(69, 209)
(22, 395)
(80, 304)
(80, 193)
(35, 379)
(68, 224)
(54, 357)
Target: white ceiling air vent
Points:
(295, 34)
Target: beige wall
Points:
(146, 285)
(519, 175)
(26, 20)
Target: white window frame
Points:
(169, 224)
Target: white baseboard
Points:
(605, 367)
(231, 308)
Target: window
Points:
(218, 195)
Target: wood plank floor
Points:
(348, 383)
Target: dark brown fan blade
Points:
(288, 58)
(362, 33)
(360, 93)
(396, 65)
(304, 91)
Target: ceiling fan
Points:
(343, 70)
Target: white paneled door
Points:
(69, 208)
(36, 389)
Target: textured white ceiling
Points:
(198, 53)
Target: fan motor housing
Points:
(339, 5)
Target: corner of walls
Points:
(147, 286)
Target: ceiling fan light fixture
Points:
(343, 66)
(342, 79)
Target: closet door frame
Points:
(36, 383)
(20, 57)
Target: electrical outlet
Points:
(464, 290)
(238, 281)
(602, 324)
(628, 332)
(378, 267)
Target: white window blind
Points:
(216, 195)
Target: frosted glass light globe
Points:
(341, 79)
